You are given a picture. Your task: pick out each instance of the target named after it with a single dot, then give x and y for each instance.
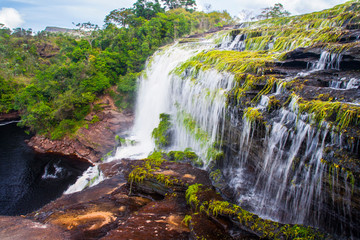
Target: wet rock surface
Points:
(92, 142)
(20, 228)
(119, 208)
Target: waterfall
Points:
(328, 61)
(345, 84)
(159, 92)
(288, 179)
(236, 44)
(284, 182)
(155, 94)
(282, 177)
(199, 106)
(53, 171)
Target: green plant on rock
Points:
(186, 155)
(187, 220)
(150, 169)
(191, 196)
(231, 61)
(95, 119)
(162, 134)
(273, 104)
(252, 114)
(268, 87)
(262, 227)
(343, 115)
(215, 175)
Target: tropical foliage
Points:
(52, 79)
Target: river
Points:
(29, 180)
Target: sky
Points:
(37, 14)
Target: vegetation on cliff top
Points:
(52, 79)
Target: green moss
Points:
(252, 114)
(215, 175)
(149, 168)
(95, 119)
(191, 196)
(161, 134)
(341, 114)
(262, 227)
(186, 155)
(187, 220)
(236, 62)
(267, 88)
(273, 104)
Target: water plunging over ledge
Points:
(279, 175)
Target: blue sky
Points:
(37, 14)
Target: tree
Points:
(119, 17)
(172, 4)
(21, 32)
(88, 31)
(127, 16)
(273, 12)
(147, 9)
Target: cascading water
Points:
(282, 178)
(345, 84)
(328, 61)
(154, 97)
(160, 91)
(199, 106)
(288, 186)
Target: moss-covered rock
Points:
(162, 134)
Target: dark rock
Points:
(114, 210)
(92, 213)
(46, 50)
(156, 220)
(203, 228)
(19, 228)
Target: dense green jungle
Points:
(51, 78)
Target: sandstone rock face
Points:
(17, 228)
(9, 116)
(90, 143)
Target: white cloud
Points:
(41, 13)
(294, 6)
(10, 17)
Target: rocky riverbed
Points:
(169, 200)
